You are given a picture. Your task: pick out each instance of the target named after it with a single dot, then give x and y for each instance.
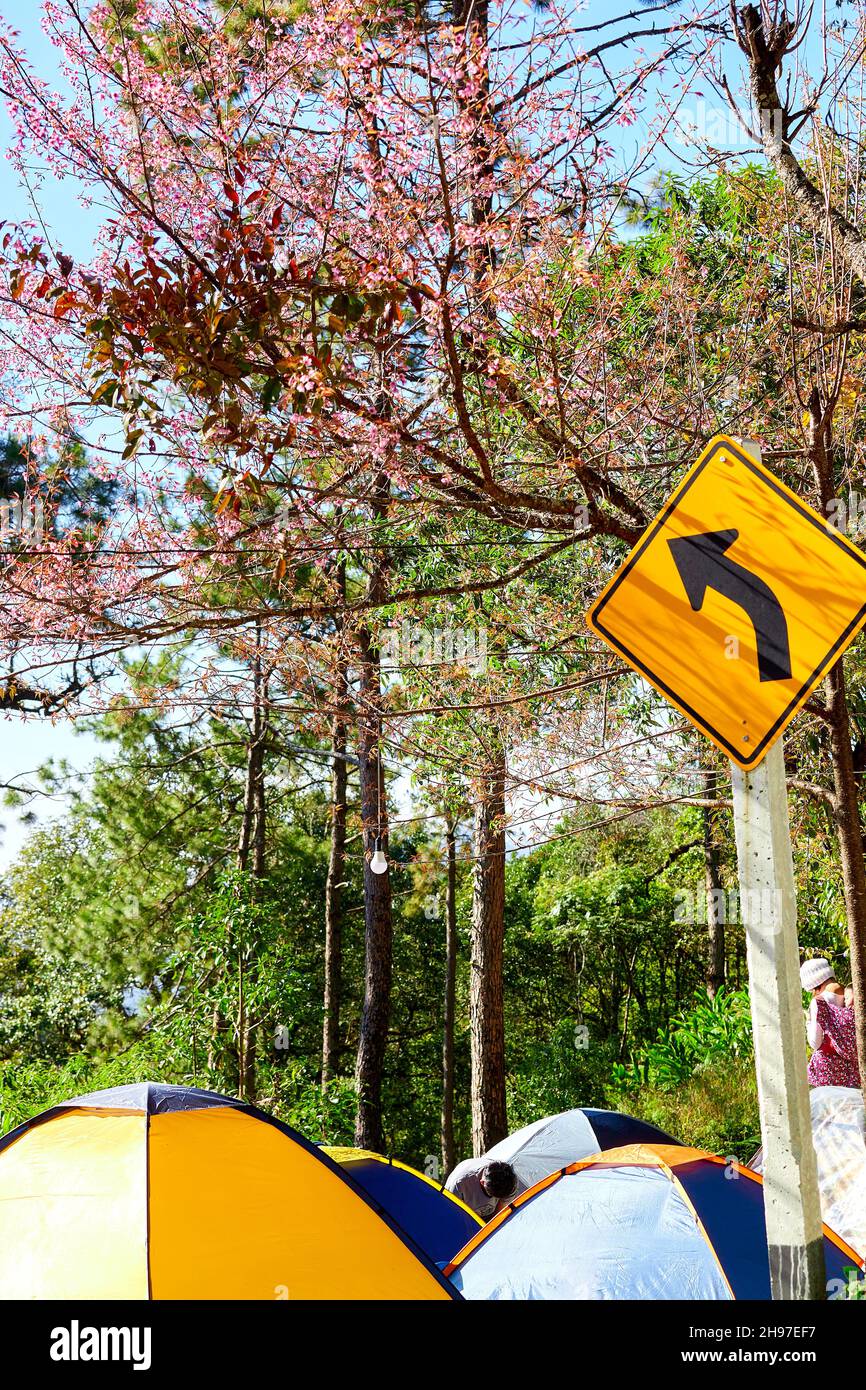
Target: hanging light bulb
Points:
(378, 863)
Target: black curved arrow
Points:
(703, 564)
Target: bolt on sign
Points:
(735, 602)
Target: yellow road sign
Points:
(735, 602)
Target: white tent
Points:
(839, 1130)
(599, 1234)
(547, 1145)
(646, 1221)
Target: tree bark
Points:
(486, 1011)
(251, 834)
(220, 1027)
(250, 1089)
(846, 809)
(715, 965)
(251, 845)
(449, 1150)
(765, 47)
(850, 836)
(473, 17)
(240, 1074)
(334, 882)
(378, 932)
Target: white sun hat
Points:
(815, 973)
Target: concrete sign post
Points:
(769, 911)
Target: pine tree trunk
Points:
(221, 1057)
(251, 844)
(449, 1151)
(240, 1074)
(334, 905)
(375, 1017)
(486, 1014)
(336, 857)
(473, 17)
(849, 829)
(850, 836)
(250, 1089)
(715, 967)
(486, 1010)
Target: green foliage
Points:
(30, 1087)
(697, 1080)
(715, 1109)
(49, 1007)
(712, 1031)
(125, 945)
(242, 963)
(133, 943)
(547, 1075)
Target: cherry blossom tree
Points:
(341, 246)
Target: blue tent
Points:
(436, 1220)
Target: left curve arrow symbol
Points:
(703, 563)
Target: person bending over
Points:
(485, 1187)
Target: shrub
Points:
(711, 1031)
(715, 1109)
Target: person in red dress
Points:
(829, 1027)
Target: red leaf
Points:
(65, 302)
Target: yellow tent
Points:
(169, 1192)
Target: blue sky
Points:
(26, 743)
